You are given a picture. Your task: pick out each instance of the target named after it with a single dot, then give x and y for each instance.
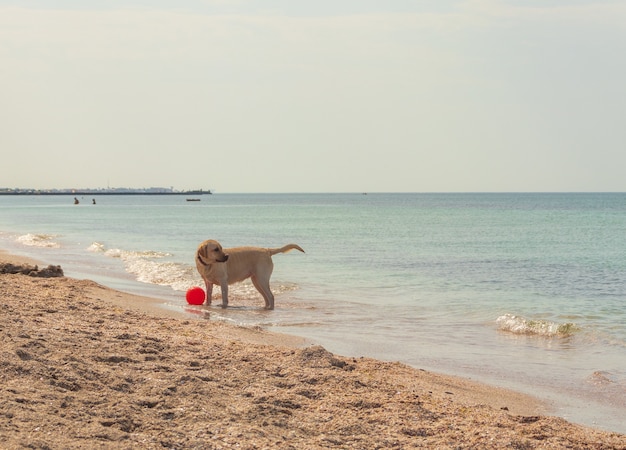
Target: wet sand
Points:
(84, 366)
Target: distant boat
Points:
(193, 199)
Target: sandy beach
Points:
(84, 366)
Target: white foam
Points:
(179, 277)
(520, 325)
(96, 247)
(113, 252)
(38, 240)
(149, 267)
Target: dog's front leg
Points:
(224, 287)
(209, 292)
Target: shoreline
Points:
(85, 364)
(155, 307)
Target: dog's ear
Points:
(202, 251)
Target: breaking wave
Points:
(151, 267)
(520, 325)
(39, 240)
(96, 247)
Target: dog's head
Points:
(210, 252)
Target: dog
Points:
(227, 266)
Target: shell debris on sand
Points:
(84, 367)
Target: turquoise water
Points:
(526, 291)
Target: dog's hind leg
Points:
(264, 289)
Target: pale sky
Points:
(315, 96)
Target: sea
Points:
(525, 291)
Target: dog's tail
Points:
(285, 249)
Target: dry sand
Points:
(84, 366)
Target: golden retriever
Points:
(232, 265)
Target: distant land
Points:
(103, 191)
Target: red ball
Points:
(195, 296)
